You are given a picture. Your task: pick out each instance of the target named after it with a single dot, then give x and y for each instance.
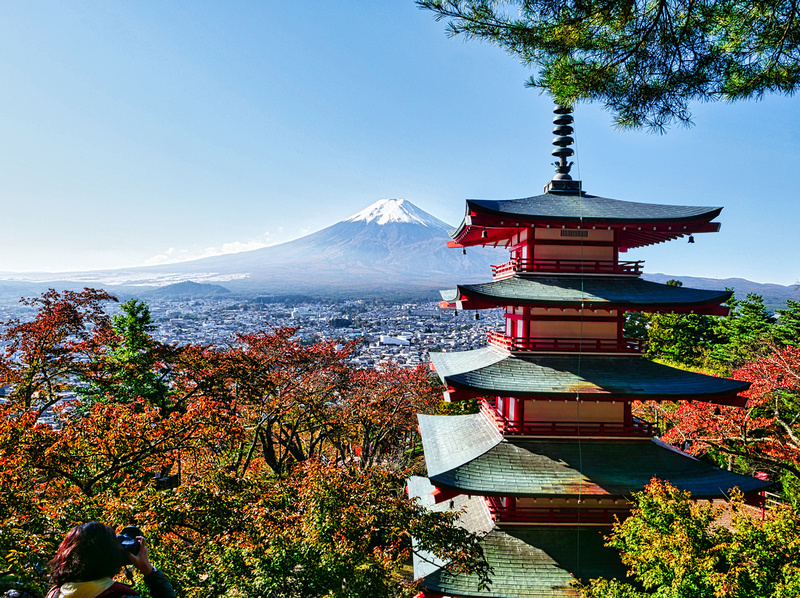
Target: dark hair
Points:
(89, 551)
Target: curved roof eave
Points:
(589, 208)
(553, 209)
(588, 467)
(630, 294)
(490, 372)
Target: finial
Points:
(562, 181)
(563, 120)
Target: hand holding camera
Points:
(132, 541)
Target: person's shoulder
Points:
(119, 590)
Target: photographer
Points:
(91, 555)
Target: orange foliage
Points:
(766, 431)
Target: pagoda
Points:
(555, 452)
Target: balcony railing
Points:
(593, 345)
(516, 264)
(636, 428)
(517, 514)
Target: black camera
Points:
(127, 538)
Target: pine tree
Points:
(645, 61)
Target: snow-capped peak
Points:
(384, 211)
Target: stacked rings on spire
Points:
(563, 121)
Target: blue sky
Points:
(142, 132)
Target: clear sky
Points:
(150, 131)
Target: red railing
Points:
(594, 345)
(516, 264)
(506, 427)
(503, 514)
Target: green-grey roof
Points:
(453, 441)
(494, 372)
(473, 516)
(535, 562)
(590, 208)
(563, 467)
(565, 291)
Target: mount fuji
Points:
(392, 245)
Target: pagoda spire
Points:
(562, 181)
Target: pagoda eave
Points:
(622, 293)
(488, 222)
(459, 392)
(563, 468)
(471, 303)
(492, 372)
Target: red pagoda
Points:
(555, 453)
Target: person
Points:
(88, 559)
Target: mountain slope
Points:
(391, 244)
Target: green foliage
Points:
(131, 364)
(644, 60)
(636, 324)
(464, 407)
(744, 334)
(787, 330)
(683, 338)
(790, 486)
(677, 548)
(714, 343)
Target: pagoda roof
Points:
(559, 467)
(587, 292)
(531, 561)
(473, 515)
(494, 221)
(534, 562)
(492, 372)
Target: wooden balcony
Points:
(517, 514)
(516, 265)
(637, 428)
(566, 345)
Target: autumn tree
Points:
(377, 413)
(765, 434)
(43, 356)
(643, 60)
(286, 393)
(676, 547)
(272, 498)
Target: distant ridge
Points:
(775, 295)
(190, 289)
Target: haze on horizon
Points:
(144, 132)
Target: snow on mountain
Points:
(384, 211)
(390, 245)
